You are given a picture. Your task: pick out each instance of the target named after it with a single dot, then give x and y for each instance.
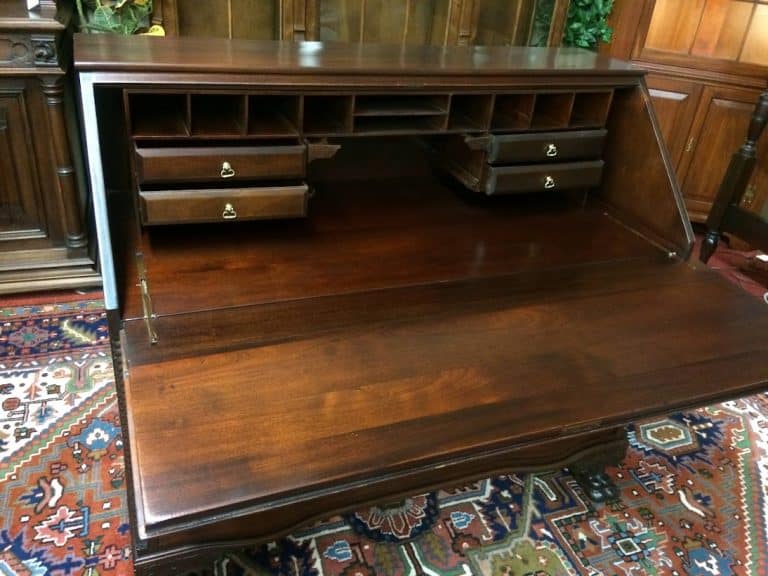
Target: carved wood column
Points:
(53, 90)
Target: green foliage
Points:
(586, 25)
(114, 16)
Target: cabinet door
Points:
(674, 102)
(254, 19)
(388, 21)
(21, 213)
(719, 129)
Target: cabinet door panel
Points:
(674, 102)
(755, 50)
(253, 19)
(21, 215)
(721, 29)
(720, 128)
(384, 21)
(674, 23)
(506, 22)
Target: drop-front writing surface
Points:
(387, 269)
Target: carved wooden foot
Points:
(708, 246)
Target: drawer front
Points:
(220, 163)
(538, 178)
(223, 205)
(546, 146)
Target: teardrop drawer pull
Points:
(551, 151)
(229, 212)
(549, 183)
(226, 170)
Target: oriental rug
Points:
(693, 488)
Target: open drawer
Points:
(223, 205)
(541, 147)
(216, 163)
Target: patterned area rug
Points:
(693, 489)
(62, 492)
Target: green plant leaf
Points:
(586, 23)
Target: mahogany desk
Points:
(339, 274)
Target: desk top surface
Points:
(143, 54)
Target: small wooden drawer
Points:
(535, 178)
(544, 146)
(223, 205)
(209, 164)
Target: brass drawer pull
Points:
(229, 212)
(551, 151)
(226, 170)
(549, 183)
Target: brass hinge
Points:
(146, 299)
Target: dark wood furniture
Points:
(727, 215)
(708, 63)
(462, 260)
(43, 237)
(435, 22)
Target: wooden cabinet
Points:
(702, 125)
(23, 217)
(675, 103)
(718, 130)
(436, 22)
(709, 62)
(720, 34)
(43, 239)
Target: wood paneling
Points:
(755, 49)
(626, 20)
(724, 30)
(256, 19)
(711, 51)
(506, 22)
(385, 21)
(721, 29)
(197, 18)
(435, 22)
(674, 23)
(43, 240)
(341, 20)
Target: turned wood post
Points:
(736, 178)
(66, 182)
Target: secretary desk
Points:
(340, 274)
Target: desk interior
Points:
(367, 235)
